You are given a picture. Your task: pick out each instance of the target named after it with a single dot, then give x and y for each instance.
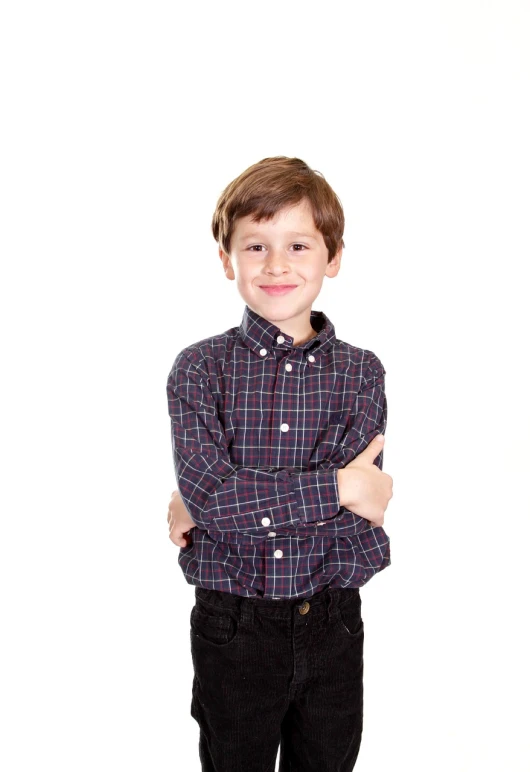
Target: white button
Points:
(263, 352)
(311, 358)
(321, 523)
(288, 366)
(280, 339)
(284, 427)
(278, 553)
(265, 521)
(272, 533)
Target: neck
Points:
(304, 338)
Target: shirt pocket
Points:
(330, 435)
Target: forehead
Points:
(292, 220)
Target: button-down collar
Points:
(261, 335)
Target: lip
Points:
(278, 289)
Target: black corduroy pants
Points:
(278, 673)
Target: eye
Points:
(260, 247)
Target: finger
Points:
(372, 450)
(178, 532)
(176, 537)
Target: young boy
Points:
(277, 430)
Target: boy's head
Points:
(272, 184)
(280, 223)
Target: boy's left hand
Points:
(180, 522)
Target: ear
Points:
(333, 266)
(227, 265)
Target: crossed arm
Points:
(347, 494)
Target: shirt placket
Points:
(284, 427)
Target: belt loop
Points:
(247, 611)
(332, 603)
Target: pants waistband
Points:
(332, 596)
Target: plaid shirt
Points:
(259, 428)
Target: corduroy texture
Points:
(267, 676)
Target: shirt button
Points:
(278, 553)
(288, 366)
(265, 521)
(284, 427)
(263, 352)
(280, 339)
(272, 533)
(311, 358)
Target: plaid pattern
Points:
(259, 428)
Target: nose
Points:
(277, 262)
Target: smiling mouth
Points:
(278, 289)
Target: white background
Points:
(122, 123)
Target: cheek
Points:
(311, 274)
(244, 284)
(245, 275)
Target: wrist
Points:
(342, 486)
(347, 485)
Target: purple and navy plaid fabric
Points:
(259, 428)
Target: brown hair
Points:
(272, 184)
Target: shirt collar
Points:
(259, 334)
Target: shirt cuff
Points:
(316, 493)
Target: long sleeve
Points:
(367, 419)
(227, 499)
